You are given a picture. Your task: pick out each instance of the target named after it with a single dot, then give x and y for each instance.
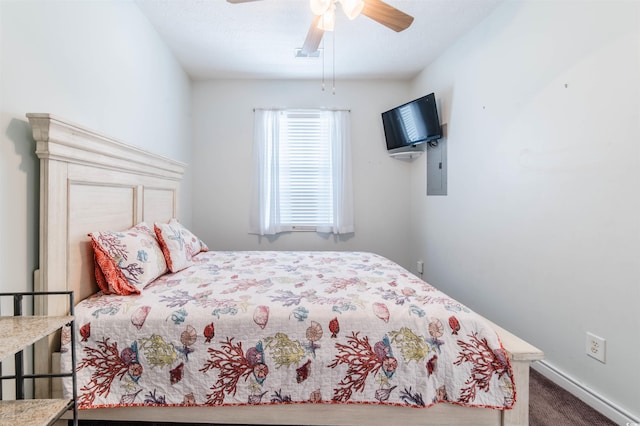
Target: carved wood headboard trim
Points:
(62, 140)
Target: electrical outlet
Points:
(596, 347)
(420, 266)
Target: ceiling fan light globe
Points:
(319, 7)
(352, 8)
(328, 20)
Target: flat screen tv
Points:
(412, 123)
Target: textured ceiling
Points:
(217, 39)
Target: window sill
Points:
(299, 228)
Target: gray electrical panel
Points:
(437, 167)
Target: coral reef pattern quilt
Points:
(267, 327)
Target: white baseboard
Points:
(590, 397)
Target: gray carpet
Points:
(549, 405)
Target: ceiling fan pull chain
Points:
(323, 53)
(333, 41)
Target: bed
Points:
(369, 331)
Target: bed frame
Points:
(91, 182)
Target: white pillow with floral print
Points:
(129, 259)
(179, 245)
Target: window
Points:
(302, 172)
(305, 184)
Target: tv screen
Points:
(412, 123)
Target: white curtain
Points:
(264, 215)
(340, 131)
(264, 199)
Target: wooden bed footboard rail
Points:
(521, 354)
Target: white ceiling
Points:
(217, 39)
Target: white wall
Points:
(541, 228)
(99, 64)
(223, 135)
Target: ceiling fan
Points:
(324, 17)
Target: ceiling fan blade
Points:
(314, 36)
(386, 15)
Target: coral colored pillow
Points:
(128, 260)
(178, 244)
(100, 279)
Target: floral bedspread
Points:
(286, 327)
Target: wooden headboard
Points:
(90, 182)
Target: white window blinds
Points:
(305, 174)
(302, 172)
